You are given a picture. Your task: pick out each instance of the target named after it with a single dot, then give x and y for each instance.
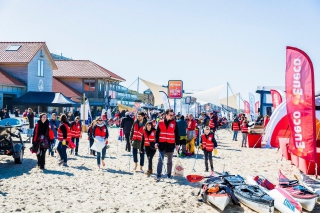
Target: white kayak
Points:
(301, 194)
(219, 200)
(253, 197)
(310, 184)
(283, 201)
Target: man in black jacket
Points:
(126, 125)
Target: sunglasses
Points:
(99, 120)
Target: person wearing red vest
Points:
(244, 130)
(208, 144)
(213, 122)
(167, 135)
(235, 128)
(75, 128)
(101, 130)
(64, 136)
(136, 140)
(148, 144)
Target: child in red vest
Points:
(208, 144)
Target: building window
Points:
(90, 86)
(40, 68)
(13, 47)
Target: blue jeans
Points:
(50, 148)
(76, 143)
(160, 163)
(104, 150)
(62, 149)
(135, 156)
(91, 143)
(235, 135)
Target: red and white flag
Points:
(256, 106)
(276, 98)
(246, 107)
(301, 104)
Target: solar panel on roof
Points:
(13, 47)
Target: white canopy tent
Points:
(207, 96)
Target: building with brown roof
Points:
(85, 76)
(30, 64)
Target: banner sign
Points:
(175, 89)
(246, 107)
(300, 104)
(276, 98)
(251, 102)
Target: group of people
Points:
(241, 123)
(165, 135)
(62, 135)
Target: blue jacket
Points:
(182, 127)
(52, 124)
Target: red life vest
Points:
(211, 123)
(167, 135)
(149, 138)
(244, 128)
(100, 131)
(60, 134)
(137, 132)
(207, 143)
(235, 126)
(75, 130)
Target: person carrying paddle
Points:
(167, 135)
(208, 144)
(148, 144)
(136, 140)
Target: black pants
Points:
(76, 142)
(42, 158)
(128, 146)
(150, 153)
(208, 156)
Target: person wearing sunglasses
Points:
(167, 135)
(101, 130)
(136, 138)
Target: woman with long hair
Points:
(148, 142)
(41, 139)
(64, 136)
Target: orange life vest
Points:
(167, 134)
(100, 131)
(137, 132)
(149, 138)
(75, 130)
(60, 134)
(207, 143)
(244, 128)
(211, 123)
(235, 126)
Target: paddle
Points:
(194, 178)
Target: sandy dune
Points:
(81, 187)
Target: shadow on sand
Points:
(13, 170)
(55, 172)
(81, 168)
(117, 172)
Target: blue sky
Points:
(203, 43)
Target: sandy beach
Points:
(81, 187)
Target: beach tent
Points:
(278, 126)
